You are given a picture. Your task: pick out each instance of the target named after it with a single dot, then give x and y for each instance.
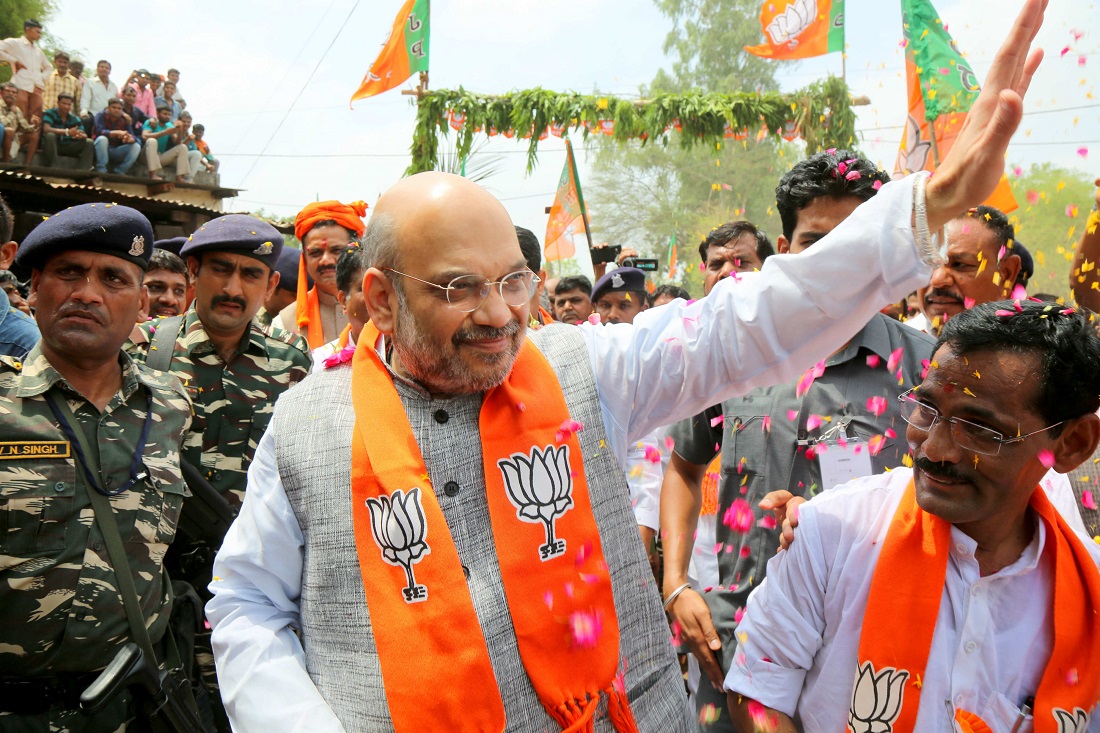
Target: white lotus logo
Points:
(540, 486)
(400, 530)
(1075, 722)
(876, 699)
(795, 19)
(914, 153)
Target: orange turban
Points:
(348, 216)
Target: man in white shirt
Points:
(952, 593)
(29, 66)
(98, 91)
(322, 616)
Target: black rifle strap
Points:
(163, 343)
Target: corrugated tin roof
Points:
(110, 194)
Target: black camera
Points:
(606, 254)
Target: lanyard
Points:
(60, 408)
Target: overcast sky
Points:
(244, 63)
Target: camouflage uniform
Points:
(233, 402)
(60, 610)
(265, 317)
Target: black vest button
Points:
(450, 488)
(441, 416)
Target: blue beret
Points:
(173, 245)
(287, 267)
(105, 228)
(237, 234)
(620, 280)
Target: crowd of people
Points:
(105, 128)
(398, 479)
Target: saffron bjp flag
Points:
(404, 53)
(799, 29)
(567, 217)
(942, 88)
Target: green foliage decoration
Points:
(821, 112)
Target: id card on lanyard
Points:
(842, 462)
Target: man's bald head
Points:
(424, 211)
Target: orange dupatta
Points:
(551, 560)
(890, 662)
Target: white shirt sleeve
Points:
(644, 477)
(256, 586)
(758, 329)
(86, 98)
(784, 623)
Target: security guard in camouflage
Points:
(61, 613)
(231, 367)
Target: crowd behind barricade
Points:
(142, 128)
(379, 483)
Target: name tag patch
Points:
(34, 449)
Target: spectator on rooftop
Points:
(76, 68)
(155, 80)
(60, 81)
(29, 67)
(64, 134)
(97, 92)
(131, 109)
(208, 160)
(163, 145)
(174, 77)
(168, 97)
(194, 155)
(16, 128)
(145, 98)
(114, 140)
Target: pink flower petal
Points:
(1088, 500)
(1046, 457)
(895, 359)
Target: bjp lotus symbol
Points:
(540, 486)
(399, 529)
(876, 699)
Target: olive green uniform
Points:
(60, 608)
(233, 401)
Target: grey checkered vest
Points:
(312, 430)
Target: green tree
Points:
(1054, 205)
(706, 47)
(12, 15)
(640, 196)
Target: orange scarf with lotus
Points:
(901, 618)
(551, 561)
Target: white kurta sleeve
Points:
(784, 623)
(645, 473)
(257, 584)
(758, 329)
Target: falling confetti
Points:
(585, 628)
(739, 517)
(1046, 457)
(1088, 500)
(876, 405)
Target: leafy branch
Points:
(820, 113)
